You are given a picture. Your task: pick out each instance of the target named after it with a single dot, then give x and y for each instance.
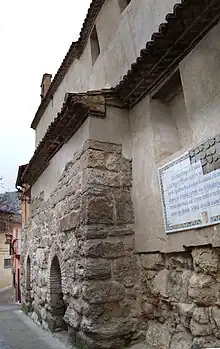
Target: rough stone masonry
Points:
(81, 273)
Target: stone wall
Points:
(84, 274)
(86, 224)
(180, 300)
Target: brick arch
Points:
(56, 252)
(57, 304)
(55, 278)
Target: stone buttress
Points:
(80, 245)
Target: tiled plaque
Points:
(190, 195)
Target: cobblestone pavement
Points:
(17, 331)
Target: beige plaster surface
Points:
(5, 273)
(48, 180)
(114, 128)
(121, 37)
(151, 133)
(198, 122)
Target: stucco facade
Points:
(122, 36)
(6, 274)
(10, 228)
(96, 259)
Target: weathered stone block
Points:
(178, 284)
(199, 329)
(120, 231)
(93, 269)
(124, 207)
(104, 146)
(103, 292)
(185, 312)
(152, 261)
(180, 260)
(103, 249)
(72, 318)
(70, 221)
(205, 260)
(158, 336)
(59, 195)
(110, 329)
(148, 309)
(160, 283)
(126, 179)
(101, 177)
(41, 258)
(181, 340)
(97, 210)
(205, 342)
(93, 159)
(126, 271)
(95, 232)
(201, 315)
(93, 311)
(72, 169)
(73, 202)
(43, 313)
(203, 289)
(126, 265)
(115, 162)
(215, 314)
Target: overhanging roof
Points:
(76, 108)
(184, 28)
(21, 170)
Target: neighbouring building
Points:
(5, 258)
(122, 244)
(10, 230)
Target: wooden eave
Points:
(76, 108)
(21, 170)
(184, 28)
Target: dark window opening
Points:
(95, 48)
(7, 263)
(123, 4)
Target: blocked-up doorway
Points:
(57, 304)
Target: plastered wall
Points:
(121, 37)
(5, 273)
(160, 135)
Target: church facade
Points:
(121, 248)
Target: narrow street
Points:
(17, 331)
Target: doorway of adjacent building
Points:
(58, 307)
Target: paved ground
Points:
(17, 331)
(6, 295)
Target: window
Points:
(7, 263)
(95, 48)
(123, 4)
